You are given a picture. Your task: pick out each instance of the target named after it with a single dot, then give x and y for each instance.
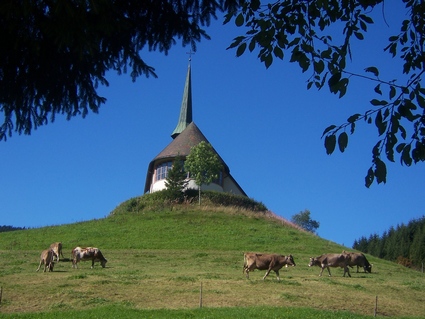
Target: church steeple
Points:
(185, 117)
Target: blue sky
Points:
(264, 124)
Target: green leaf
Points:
(342, 141)
(400, 147)
(328, 129)
(330, 143)
(366, 19)
(373, 70)
(359, 35)
(393, 92)
(380, 171)
(319, 66)
(418, 153)
(353, 118)
(236, 42)
(405, 155)
(267, 58)
(369, 177)
(334, 79)
(278, 52)
(241, 49)
(239, 21)
(376, 102)
(252, 45)
(255, 5)
(380, 124)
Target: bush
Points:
(163, 199)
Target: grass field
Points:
(160, 260)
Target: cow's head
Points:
(313, 262)
(290, 261)
(368, 268)
(103, 263)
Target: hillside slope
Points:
(159, 256)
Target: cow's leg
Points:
(346, 270)
(329, 271)
(277, 274)
(39, 266)
(92, 263)
(247, 272)
(267, 273)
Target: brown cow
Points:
(46, 258)
(359, 260)
(331, 260)
(267, 262)
(57, 250)
(88, 253)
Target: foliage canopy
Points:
(203, 165)
(304, 220)
(307, 31)
(55, 54)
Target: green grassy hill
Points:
(159, 256)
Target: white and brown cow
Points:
(359, 260)
(267, 262)
(57, 250)
(89, 253)
(46, 258)
(331, 260)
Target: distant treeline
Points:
(404, 244)
(5, 228)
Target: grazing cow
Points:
(57, 250)
(331, 260)
(359, 260)
(89, 253)
(267, 262)
(46, 258)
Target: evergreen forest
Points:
(404, 244)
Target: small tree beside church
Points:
(176, 179)
(203, 164)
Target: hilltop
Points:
(160, 253)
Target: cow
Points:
(57, 250)
(46, 258)
(267, 262)
(359, 260)
(331, 260)
(88, 253)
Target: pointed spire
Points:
(186, 107)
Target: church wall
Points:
(160, 185)
(230, 187)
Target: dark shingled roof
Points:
(182, 144)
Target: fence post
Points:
(376, 307)
(200, 296)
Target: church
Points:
(185, 136)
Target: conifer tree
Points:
(176, 179)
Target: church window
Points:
(162, 170)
